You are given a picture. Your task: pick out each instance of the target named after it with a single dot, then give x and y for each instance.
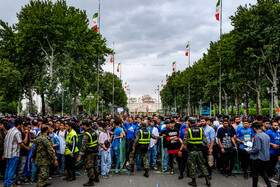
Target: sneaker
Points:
(109, 175)
(272, 180)
(155, 168)
(50, 178)
(165, 170)
(172, 171)
(116, 172)
(104, 176)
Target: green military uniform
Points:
(45, 155)
(194, 137)
(141, 145)
(90, 151)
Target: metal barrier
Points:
(122, 156)
(237, 162)
(162, 160)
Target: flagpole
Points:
(220, 68)
(97, 99)
(189, 94)
(120, 70)
(113, 79)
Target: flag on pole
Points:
(161, 83)
(94, 20)
(174, 65)
(187, 53)
(118, 68)
(155, 91)
(166, 78)
(112, 59)
(218, 10)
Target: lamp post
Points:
(90, 97)
(102, 102)
(271, 91)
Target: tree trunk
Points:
(75, 105)
(18, 106)
(236, 104)
(43, 104)
(259, 103)
(231, 113)
(30, 100)
(214, 109)
(276, 102)
(246, 108)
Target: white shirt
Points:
(61, 137)
(11, 144)
(153, 141)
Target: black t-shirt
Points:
(24, 152)
(177, 126)
(225, 135)
(173, 146)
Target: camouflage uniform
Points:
(195, 157)
(140, 149)
(45, 155)
(90, 159)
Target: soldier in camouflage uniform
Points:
(141, 145)
(90, 151)
(44, 154)
(193, 139)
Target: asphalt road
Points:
(138, 180)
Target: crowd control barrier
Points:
(122, 157)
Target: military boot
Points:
(193, 183)
(181, 176)
(207, 179)
(90, 183)
(146, 174)
(96, 178)
(130, 168)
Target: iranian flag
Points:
(94, 21)
(118, 67)
(112, 58)
(187, 53)
(174, 65)
(218, 10)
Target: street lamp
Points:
(271, 91)
(102, 102)
(90, 97)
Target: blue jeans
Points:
(33, 171)
(11, 166)
(105, 162)
(116, 151)
(139, 161)
(166, 158)
(152, 153)
(61, 163)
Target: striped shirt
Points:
(11, 144)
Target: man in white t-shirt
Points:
(152, 153)
(62, 135)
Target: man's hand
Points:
(3, 157)
(55, 163)
(135, 110)
(210, 151)
(79, 158)
(120, 113)
(72, 155)
(32, 160)
(133, 148)
(180, 154)
(27, 148)
(222, 150)
(147, 109)
(235, 148)
(278, 158)
(275, 146)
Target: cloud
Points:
(150, 34)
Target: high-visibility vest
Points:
(195, 135)
(145, 137)
(69, 143)
(93, 138)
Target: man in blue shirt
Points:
(115, 148)
(259, 155)
(131, 131)
(182, 128)
(243, 135)
(274, 146)
(210, 135)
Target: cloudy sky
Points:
(150, 34)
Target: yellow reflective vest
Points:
(69, 143)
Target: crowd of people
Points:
(36, 148)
